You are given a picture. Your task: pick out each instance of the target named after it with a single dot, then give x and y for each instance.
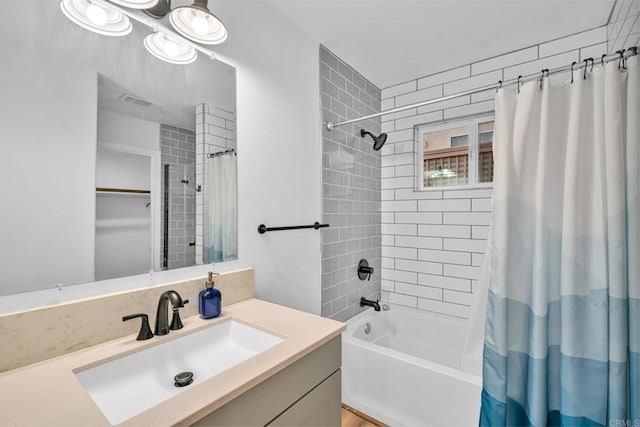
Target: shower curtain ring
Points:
(542, 75)
(586, 65)
(572, 64)
(541, 79)
(621, 64)
(519, 77)
(634, 51)
(602, 59)
(499, 85)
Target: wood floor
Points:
(354, 418)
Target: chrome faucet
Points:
(162, 316)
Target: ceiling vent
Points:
(131, 99)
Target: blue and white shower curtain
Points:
(221, 209)
(562, 336)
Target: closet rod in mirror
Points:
(121, 190)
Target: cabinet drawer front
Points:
(320, 407)
(267, 400)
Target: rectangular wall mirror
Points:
(115, 163)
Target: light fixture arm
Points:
(157, 27)
(201, 4)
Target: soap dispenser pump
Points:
(210, 301)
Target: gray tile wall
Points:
(178, 150)
(350, 189)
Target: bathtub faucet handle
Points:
(364, 271)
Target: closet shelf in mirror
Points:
(121, 190)
(122, 223)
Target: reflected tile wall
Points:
(350, 189)
(178, 150)
(215, 132)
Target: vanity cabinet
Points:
(307, 392)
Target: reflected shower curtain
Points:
(562, 337)
(220, 222)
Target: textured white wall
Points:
(279, 150)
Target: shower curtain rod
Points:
(221, 153)
(620, 55)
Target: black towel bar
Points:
(263, 228)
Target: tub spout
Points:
(366, 302)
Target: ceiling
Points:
(393, 41)
(114, 97)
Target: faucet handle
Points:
(145, 331)
(364, 271)
(176, 322)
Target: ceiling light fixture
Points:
(136, 4)
(108, 17)
(163, 47)
(196, 22)
(160, 10)
(97, 18)
(97, 15)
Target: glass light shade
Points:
(97, 15)
(197, 23)
(94, 17)
(136, 4)
(168, 50)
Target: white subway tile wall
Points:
(623, 30)
(215, 132)
(433, 242)
(351, 189)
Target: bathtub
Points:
(409, 369)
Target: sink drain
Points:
(183, 379)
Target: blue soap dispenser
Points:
(210, 300)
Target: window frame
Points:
(470, 122)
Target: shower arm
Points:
(619, 56)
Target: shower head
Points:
(378, 141)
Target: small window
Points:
(485, 150)
(448, 153)
(458, 141)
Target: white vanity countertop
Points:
(48, 393)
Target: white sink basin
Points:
(132, 384)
